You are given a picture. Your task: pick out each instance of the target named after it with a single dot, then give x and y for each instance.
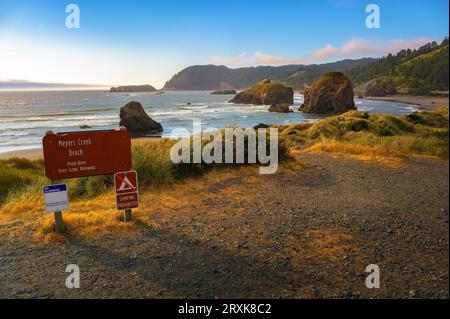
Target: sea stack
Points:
(279, 108)
(265, 92)
(224, 92)
(138, 123)
(331, 94)
(133, 88)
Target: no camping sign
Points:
(126, 185)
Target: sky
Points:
(147, 42)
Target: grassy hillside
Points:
(305, 76)
(378, 136)
(214, 77)
(417, 72)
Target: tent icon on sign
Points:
(126, 182)
(126, 185)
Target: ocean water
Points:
(26, 116)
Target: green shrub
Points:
(382, 131)
(363, 115)
(357, 126)
(415, 118)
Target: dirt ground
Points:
(307, 232)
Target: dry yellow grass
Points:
(377, 154)
(380, 138)
(97, 217)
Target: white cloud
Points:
(262, 58)
(325, 52)
(353, 48)
(359, 47)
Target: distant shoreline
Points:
(425, 102)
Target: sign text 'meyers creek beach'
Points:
(69, 155)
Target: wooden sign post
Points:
(127, 215)
(59, 224)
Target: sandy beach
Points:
(426, 102)
(30, 154)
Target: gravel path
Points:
(307, 232)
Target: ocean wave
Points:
(13, 103)
(190, 107)
(58, 114)
(46, 125)
(61, 119)
(15, 143)
(17, 134)
(184, 112)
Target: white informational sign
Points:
(56, 198)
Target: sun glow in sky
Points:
(137, 42)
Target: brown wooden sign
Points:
(78, 154)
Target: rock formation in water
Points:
(138, 123)
(224, 92)
(331, 94)
(133, 88)
(279, 108)
(261, 125)
(265, 92)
